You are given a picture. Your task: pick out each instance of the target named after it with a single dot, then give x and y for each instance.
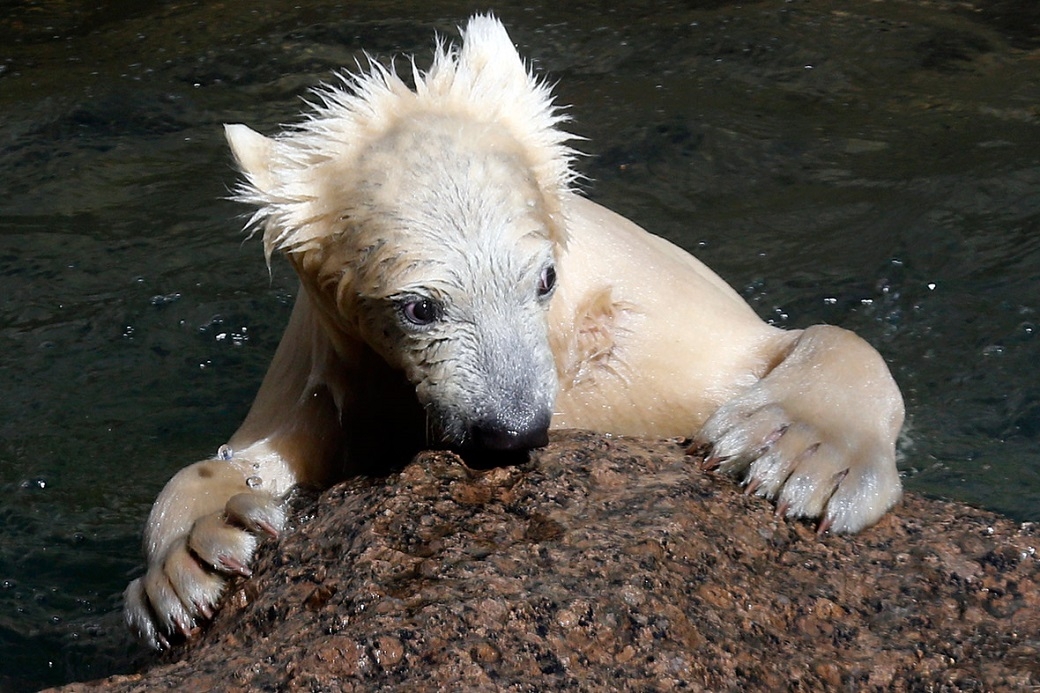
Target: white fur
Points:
(426, 227)
(325, 146)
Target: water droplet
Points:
(254, 482)
(224, 452)
(165, 299)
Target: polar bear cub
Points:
(456, 290)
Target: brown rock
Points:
(607, 564)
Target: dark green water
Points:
(874, 165)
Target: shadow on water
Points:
(873, 165)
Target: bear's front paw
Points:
(817, 433)
(184, 583)
(807, 472)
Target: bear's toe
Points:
(223, 547)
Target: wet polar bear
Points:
(457, 291)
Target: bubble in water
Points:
(254, 482)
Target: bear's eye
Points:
(420, 311)
(547, 281)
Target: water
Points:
(875, 166)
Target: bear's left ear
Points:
(253, 153)
(489, 58)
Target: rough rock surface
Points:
(608, 563)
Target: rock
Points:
(611, 563)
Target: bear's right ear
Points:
(252, 151)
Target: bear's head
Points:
(425, 222)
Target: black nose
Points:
(499, 435)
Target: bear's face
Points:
(452, 272)
(424, 222)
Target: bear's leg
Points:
(205, 523)
(817, 432)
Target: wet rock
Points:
(608, 563)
